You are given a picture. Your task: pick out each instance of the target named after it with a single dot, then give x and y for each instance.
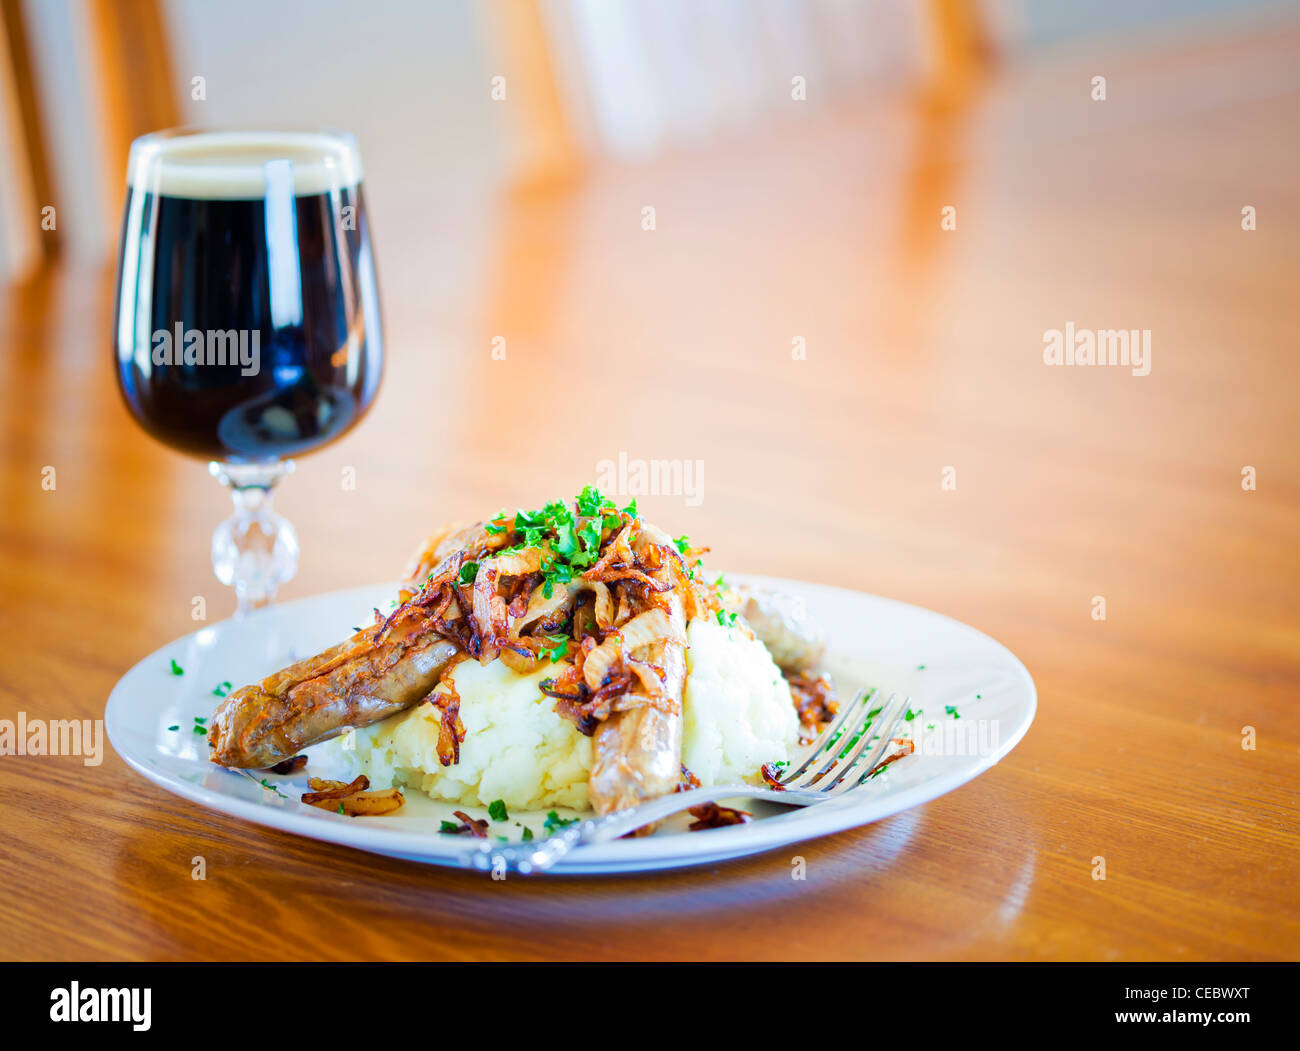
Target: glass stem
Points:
(255, 550)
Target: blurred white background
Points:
(414, 80)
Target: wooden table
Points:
(924, 351)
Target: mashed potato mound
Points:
(738, 715)
(738, 711)
(516, 748)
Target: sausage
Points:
(637, 758)
(355, 683)
(637, 753)
(783, 625)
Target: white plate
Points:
(872, 641)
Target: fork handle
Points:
(541, 855)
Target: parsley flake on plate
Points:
(554, 822)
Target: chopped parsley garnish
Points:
(569, 543)
(176, 668)
(450, 826)
(589, 537)
(558, 649)
(468, 572)
(554, 821)
(222, 689)
(591, 502)
(199, 728)
(909, 715)
(951, 710)
(173, 728)
(497, 810)
(565, 543)
(683, 543)
(920, 667)
(554, 571)
(271, 788)
(528, 834)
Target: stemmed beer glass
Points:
(247, 326)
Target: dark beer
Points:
(247, 325)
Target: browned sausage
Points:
(637, 754)
(352, 684)
(637, 758)
(796, 641)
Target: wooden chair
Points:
(24, 168)
(593, 78)
(64, 145)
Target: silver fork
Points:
(814, 780)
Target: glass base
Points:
(255, 550)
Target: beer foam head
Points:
(242, 165)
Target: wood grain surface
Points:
(924, 351)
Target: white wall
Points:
(411, 80)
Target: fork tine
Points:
(828, 737)
(889, 722)
(842, 748)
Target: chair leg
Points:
(32, 151)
